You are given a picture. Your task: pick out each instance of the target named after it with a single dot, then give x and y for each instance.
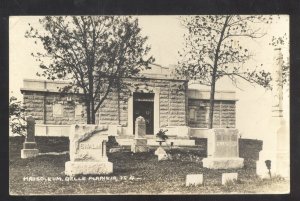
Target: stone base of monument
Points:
(283, 164)
(261, 167)
(139, 145)
(223, 163)
(29, 150)
(29, 153)
(99, 168)
(278, 167)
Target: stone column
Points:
(140, 142)
(276, 141)
(29, 146)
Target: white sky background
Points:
(165, 34)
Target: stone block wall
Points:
(40, 106)
(172, 102)
(224, 113)
(109, 110)
(175, 106)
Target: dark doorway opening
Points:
(143, 105)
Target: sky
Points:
(253, 108)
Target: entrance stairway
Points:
(151, 141)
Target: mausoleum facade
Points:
(162, 100)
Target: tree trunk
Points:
(213, 80)
(91, 94)
(212, 101)
(88, 113)
(93, 113)
(119, 115)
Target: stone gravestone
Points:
(29, 147)
(88, 151)
(223, 150)
(194, 179)
(140, 142)
(162, 154)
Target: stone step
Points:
(152, 142)
(126, 148)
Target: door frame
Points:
(156, 111)
(151, 104)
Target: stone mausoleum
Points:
(162, 100)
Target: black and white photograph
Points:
(149, 104)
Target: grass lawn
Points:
(133, 173)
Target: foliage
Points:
(214, 49)
(162, 135)
(94, 53)
(17, 120)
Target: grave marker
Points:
(140, 142)
(29, 146)
(194, 179)
(88, 151)
(223, 150)
(162, 154)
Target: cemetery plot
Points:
(139, 173)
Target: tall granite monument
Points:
(276, 141)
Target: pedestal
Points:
(223, 163)
(275, 149)
(139, 145)
(29, 150)
(98, 168)
(29, 153)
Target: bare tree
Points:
(213, 50)
(94, 53)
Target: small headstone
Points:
(140, 127)
(29, 146)
(140, 142)
(162, 154)
(88, 151)
(229, 177)
(223, 150)
(160, 151)
(194, 179)
(163, 157)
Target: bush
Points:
(17, 120)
